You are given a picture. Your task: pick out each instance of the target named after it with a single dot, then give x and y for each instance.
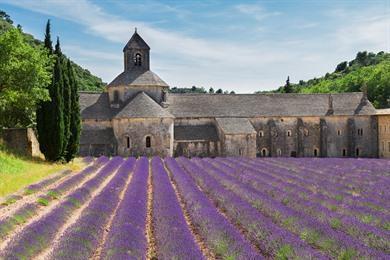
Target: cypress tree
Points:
(66, 97)
(43, 109)
(287, 87)
(55, 132)
(74, 138)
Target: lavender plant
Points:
(126, 238)
(173, 237)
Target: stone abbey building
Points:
(136, 115)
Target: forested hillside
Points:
(85, 80)
(367, 69)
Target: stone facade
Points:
(384, 133)
(137, 116)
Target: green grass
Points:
(17, 172)
(43, 201)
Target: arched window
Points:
(357, 152)
(261, 133)
(289, 133)
(264, 152)
(279, 152)
(338, 132)
(315, 152)
(306, 132)
(148, 142)
(138, 59)
(128, 142)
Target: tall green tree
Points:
(55, 134)
(74, 138)
(43, 111)
(50, 117)
(66, 96)
(24, 75)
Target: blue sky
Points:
(235, 45)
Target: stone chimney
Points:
(330, 106)
(164, 102)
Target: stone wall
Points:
(21, 140)
(196, 149)
(237, 144)
(331, 136)
(159, 130)
(384, 136)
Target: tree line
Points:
(367, 69)
(38, 88)
(200, 90)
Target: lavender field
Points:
(222, 208)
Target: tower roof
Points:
(137, 77)
(136, 42)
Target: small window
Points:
(148, 142)
(264, 152)
(357, 152)
(240, 152)
(315, 152)
(360, 131)
(289, 133)
(339, 132)
(279, 152)
(128, 142)
(344, 152)
(116, 97)
(138, 60)
(261, 133)
(306, 132)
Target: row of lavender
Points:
(295, 197)
(29, 210)
(223, 208)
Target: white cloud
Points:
(373, 31)
(244, 65)
(256, 11)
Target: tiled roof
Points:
(137, 42)
(137, 77)
(195, 132)
(94, 106)
(258, 105)
(234, 125)
(142, 106)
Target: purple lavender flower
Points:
(126, 238)
(81, 239)
(220, 236)
(173, 237)
(38, 235)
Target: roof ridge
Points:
(90, 92)
(261, 94)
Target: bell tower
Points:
(136, 53)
